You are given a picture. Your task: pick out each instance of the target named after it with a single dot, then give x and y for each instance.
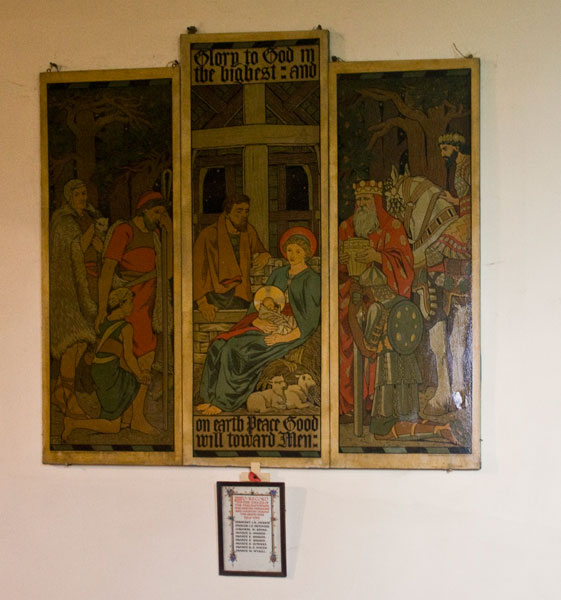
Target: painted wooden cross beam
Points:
(255, 136)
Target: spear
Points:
(166, 192)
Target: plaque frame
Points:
(248, 490)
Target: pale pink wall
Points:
(146, 533)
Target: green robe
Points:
(233, 366)
(116, 387)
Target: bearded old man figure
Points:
(451, 271)
(455, 242)
(387, 250)
(71, 307)
(132, 259)
(223, 256)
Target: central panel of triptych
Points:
(256, 309)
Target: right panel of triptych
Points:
(404, 290)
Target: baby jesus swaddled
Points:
(269, 302)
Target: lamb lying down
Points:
(297, 394)
(269, 399)
(281, 396)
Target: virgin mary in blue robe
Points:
(235, 359)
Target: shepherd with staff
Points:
(139, 256)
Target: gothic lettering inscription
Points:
(282, 432)
(255, 65)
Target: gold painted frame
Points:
(254, 131)
(379, 111)
(111, 113)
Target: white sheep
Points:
(270, 399)
(297, 394)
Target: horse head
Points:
(420, 205)
(393, 193)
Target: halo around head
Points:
(303, 231)
(269, 291)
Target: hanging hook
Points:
(461, 53)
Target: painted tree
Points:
(87, 115)
(133, 180)
(423, 109)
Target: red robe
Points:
(397, 265)
(135, 255)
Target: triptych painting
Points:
(261, 255)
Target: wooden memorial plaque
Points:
(251, 529)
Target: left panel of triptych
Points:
(111, 276)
